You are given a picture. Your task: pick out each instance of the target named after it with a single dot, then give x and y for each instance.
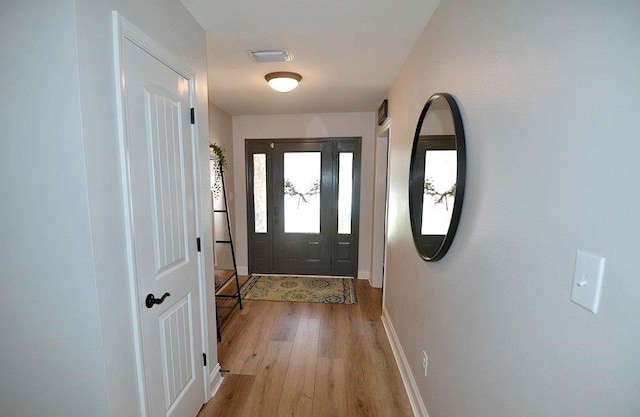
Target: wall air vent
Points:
(272, 55)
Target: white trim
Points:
(124, 30)
(131, 32)
(385, 130)
(380, 130)
(243, 270)
(119, 27)
(364, 274)
(199, 213)
(380, 206)
(410, 386)
(215, 380)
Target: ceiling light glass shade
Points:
(283, 81)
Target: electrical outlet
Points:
(425, 362)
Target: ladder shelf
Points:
(226, 278)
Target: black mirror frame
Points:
(461, 159)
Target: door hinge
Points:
(193, 116)
(204, 359)
(198, 245)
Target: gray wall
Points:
(50, 353)
(221, 132)
(67, 343)
(550, 97)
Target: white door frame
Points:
(124, 30)
(380, 209)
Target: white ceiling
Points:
(347, 51)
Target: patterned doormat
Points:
(300, 288)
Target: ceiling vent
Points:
(273, 55)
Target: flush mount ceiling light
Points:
(283, 81)
(271, 55)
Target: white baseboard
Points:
(375, 283)
(215, 380)
(417, 404)
(244, 270)
(364, 274)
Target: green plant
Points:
(219, 163)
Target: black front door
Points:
(303, 205)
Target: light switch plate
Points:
(587, 280)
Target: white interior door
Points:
(162, 200)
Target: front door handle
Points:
(150, 301)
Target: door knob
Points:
(150, 301)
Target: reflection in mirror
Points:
(437, 173)
(439, 191)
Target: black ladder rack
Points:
(223, 277)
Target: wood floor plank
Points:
(330, 395)
(313, 310)
(369, 302)
(286, 321)
(264, 397)
(230, 398)
(381, 376)
(255, 351)
(335, 331)
(309, 360)
(360, 399)
(297, 392)
(396, 397)
(244, 351)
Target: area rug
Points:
(300, 288)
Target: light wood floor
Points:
(308, 360)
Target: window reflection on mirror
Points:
(440, 168)
(439, 191)
(302, 172)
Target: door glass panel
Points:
(440, 170)
(302, 192)
(260, 192)
(345, 192)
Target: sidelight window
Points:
(345, 192)
(260, 192)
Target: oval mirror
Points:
(437, 176)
